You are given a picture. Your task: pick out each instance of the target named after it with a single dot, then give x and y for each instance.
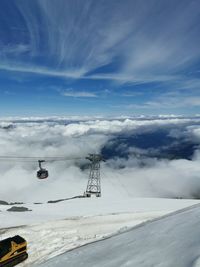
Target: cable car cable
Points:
(33, 159)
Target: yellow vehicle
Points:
(13, 250)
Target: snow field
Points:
(52, 229)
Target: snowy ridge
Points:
(172, 240)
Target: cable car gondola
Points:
(42, 173)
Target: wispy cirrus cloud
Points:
(17, 49)
(73, 74)
(168, 101)
(145, 42)
(139, 50)
(75, 93)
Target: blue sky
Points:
(105, 57)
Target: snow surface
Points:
(171, 241)
(52, 229)
(88, 207)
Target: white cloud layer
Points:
(163, 178)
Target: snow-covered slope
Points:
(172, 241)
(50, 239)
(52, 229)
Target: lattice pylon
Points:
(94, 181)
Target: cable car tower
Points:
(94, 181)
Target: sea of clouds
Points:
(145, 156)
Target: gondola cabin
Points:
(42, 173)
